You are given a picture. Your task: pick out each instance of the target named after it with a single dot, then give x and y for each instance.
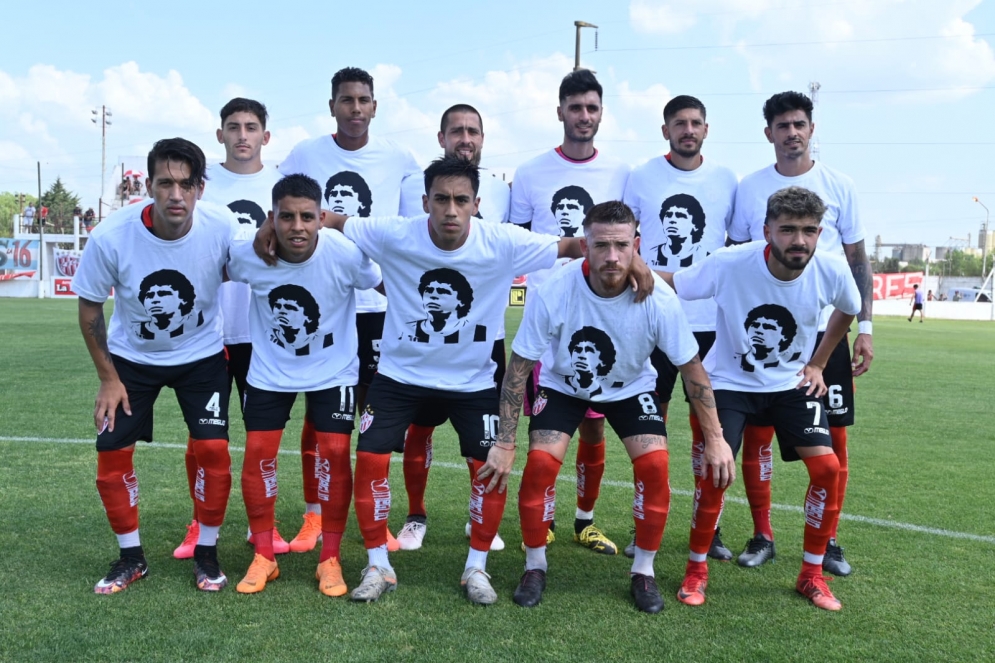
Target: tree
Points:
(10, 206)
(60, 202)
(963, 264)
(915, 266)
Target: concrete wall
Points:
(941, 310)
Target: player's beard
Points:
(582, 139)
(676, 148)
(795, 262)
(613, 281)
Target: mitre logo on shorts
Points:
(816, 430)
(366, 419)
(540, 402)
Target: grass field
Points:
(918, 530)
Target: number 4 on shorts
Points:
(214, 405)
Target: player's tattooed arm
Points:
(501, 457)
(112, 392)
(860, 267)
(718, 458)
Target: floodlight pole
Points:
(104, 114)
(579, 25)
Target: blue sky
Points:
(905, 108)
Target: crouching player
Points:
(303, 328)
(595, 342)
(769, 297)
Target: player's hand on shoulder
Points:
(640, 278)
(265, 242)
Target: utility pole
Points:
(813, 93)
(579, 25)
(104, 122)
(984, 246)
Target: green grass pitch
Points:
(918, 530)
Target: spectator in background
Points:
(28, 217)
(929, 296)
(42, 213)
(89, 219)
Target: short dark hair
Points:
(464, 293)
(694, 208)
(303, 298)
(785, 102)
(613, 211)
(601, 341)
(572, 192)
(175, 280)
(452, 166)
(356, 182)
(579, 82)
(350, 75)
(298, 186)
(242, 105)
(182, 150)
(795, 202)
(682, 102)
(915, 286)
(781, 316)
(459, 108)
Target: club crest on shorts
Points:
(540, 402)
(366, 420)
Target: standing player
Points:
(243, 184)
(770, 297)
(917, 303)
(304, 337)
(789, 129)
(461, 135)
(684, 206)
(376, 167)
(595, 343)
(550, 195)
(164, 262)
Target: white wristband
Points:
(865, 327)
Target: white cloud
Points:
(145, 97)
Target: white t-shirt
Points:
(494, 194)
(166, 309)
(598, 349)
(446, 306)
(766, 328)
(249, 197)
(554, 193)
(364, 182)
(683, 216)
(303, 316)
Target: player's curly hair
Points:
(795, 202)
(785, 102)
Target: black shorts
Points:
(838, 377)
(201, 389)
(239, 356)
(330, 410)
(798, 420)
(636, 415)
(392, 406)
(916, 307)
(666, 372)
(369, 329)
(432, 417)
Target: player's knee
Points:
(212, 453)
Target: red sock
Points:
(652, 502)
(838, 433)
(705, 514)
(372, 495)
(486, 510)
(758, 468)
(309, 461)
(334, 472)
(331, 545)
(213, 481)
(590, 469)
(259, 487)
(190, 460)
(820, 501)
(417, 461)
(537, 497)
(118, 488)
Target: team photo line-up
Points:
(277, 280)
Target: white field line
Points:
(880, 522)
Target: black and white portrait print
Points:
(570, 206)
(348, 194)
(592, 357)
(446, 297)
(170, 301)
(248, 213)
(770, 331)
(295, 321)
(683, 221)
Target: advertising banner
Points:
(896, 286)
(19, 255)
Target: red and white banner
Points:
(896, 286)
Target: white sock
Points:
(313, 508)
(584, 515)
(535, 558)
(378, 557)
(476, 559)
(642, 563)
(698, 557)
(208, 535)
(812, 559)
(129, 540)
